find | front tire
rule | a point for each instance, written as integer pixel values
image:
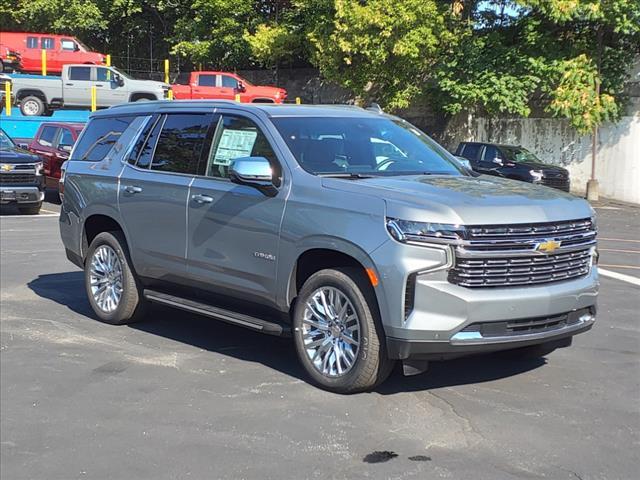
(110, 282)
(337, 332)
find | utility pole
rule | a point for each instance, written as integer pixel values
(593, 187)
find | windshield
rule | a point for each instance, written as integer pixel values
(363, 146)
(5, 142)
(519, 154)
(120, 72)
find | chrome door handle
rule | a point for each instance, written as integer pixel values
(132, 189)
(201, 198)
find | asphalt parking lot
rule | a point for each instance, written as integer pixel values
(179, 396)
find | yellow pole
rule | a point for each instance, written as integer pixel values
(44, 62)
(298, 101)
(237, 97)
(170, 95)
(7, 99)
(94, 99)
(166, 71)
(108, 63)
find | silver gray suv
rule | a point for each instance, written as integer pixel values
(347, 229)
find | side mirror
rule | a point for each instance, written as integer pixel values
(119, 80)
(498, 161)
(252, 171)
(241, 86)
(66, 148)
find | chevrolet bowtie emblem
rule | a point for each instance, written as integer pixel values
(6, 167)
(548, 246)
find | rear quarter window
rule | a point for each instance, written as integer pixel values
(99, 137)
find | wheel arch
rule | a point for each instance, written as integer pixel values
(95, 224)
(319, 255)
(31, 92)
(135, 96)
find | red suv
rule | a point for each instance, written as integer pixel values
(53, 143)
(61, 50)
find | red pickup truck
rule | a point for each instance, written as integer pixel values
(224, 86)
(53, 143)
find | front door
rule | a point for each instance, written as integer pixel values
(154, 188)
(233, 230)
(491, 160)
(108, 92)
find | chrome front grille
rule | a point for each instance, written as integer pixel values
(528, 254)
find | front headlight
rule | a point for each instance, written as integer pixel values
(536, 175)
(409, 231)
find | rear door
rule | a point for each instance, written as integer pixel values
(205, 87)
(154, 189)
(233, 231)
(77, 86)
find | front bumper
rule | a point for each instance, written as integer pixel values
(432, 324)
(463, 343)
(21, 195)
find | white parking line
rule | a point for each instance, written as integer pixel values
(619, 276)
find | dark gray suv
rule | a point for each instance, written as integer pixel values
(349, 230)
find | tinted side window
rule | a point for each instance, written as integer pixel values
(229, 82)
(491, 152)
(142, 152)
(99, 138)
(471, 151)
(79, 73)
(32, 42)
(66, 139)
(180, 143)
(207, 80)
(237, 137)
(47, 43)
(47, 136)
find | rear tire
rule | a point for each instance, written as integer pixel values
(110, 282)
(32, 106)
(344, 351)
(33, 209)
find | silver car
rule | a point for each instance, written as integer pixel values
(349, 230)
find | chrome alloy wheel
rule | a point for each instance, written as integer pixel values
(331, 332)
(106, 278)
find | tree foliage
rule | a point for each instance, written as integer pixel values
(501, 57)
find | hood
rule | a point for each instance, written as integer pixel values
(271, 91)
(17, 155)
(467, 200)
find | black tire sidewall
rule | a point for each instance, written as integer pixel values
(343, 282)
(118, 316)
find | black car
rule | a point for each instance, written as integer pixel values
(21, 177)
(515, 162)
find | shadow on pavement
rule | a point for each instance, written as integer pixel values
(274, 352)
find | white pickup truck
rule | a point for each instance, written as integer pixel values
(38, 95)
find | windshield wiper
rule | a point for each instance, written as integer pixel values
(347, 175)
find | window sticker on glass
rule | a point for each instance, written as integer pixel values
(234, 144)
